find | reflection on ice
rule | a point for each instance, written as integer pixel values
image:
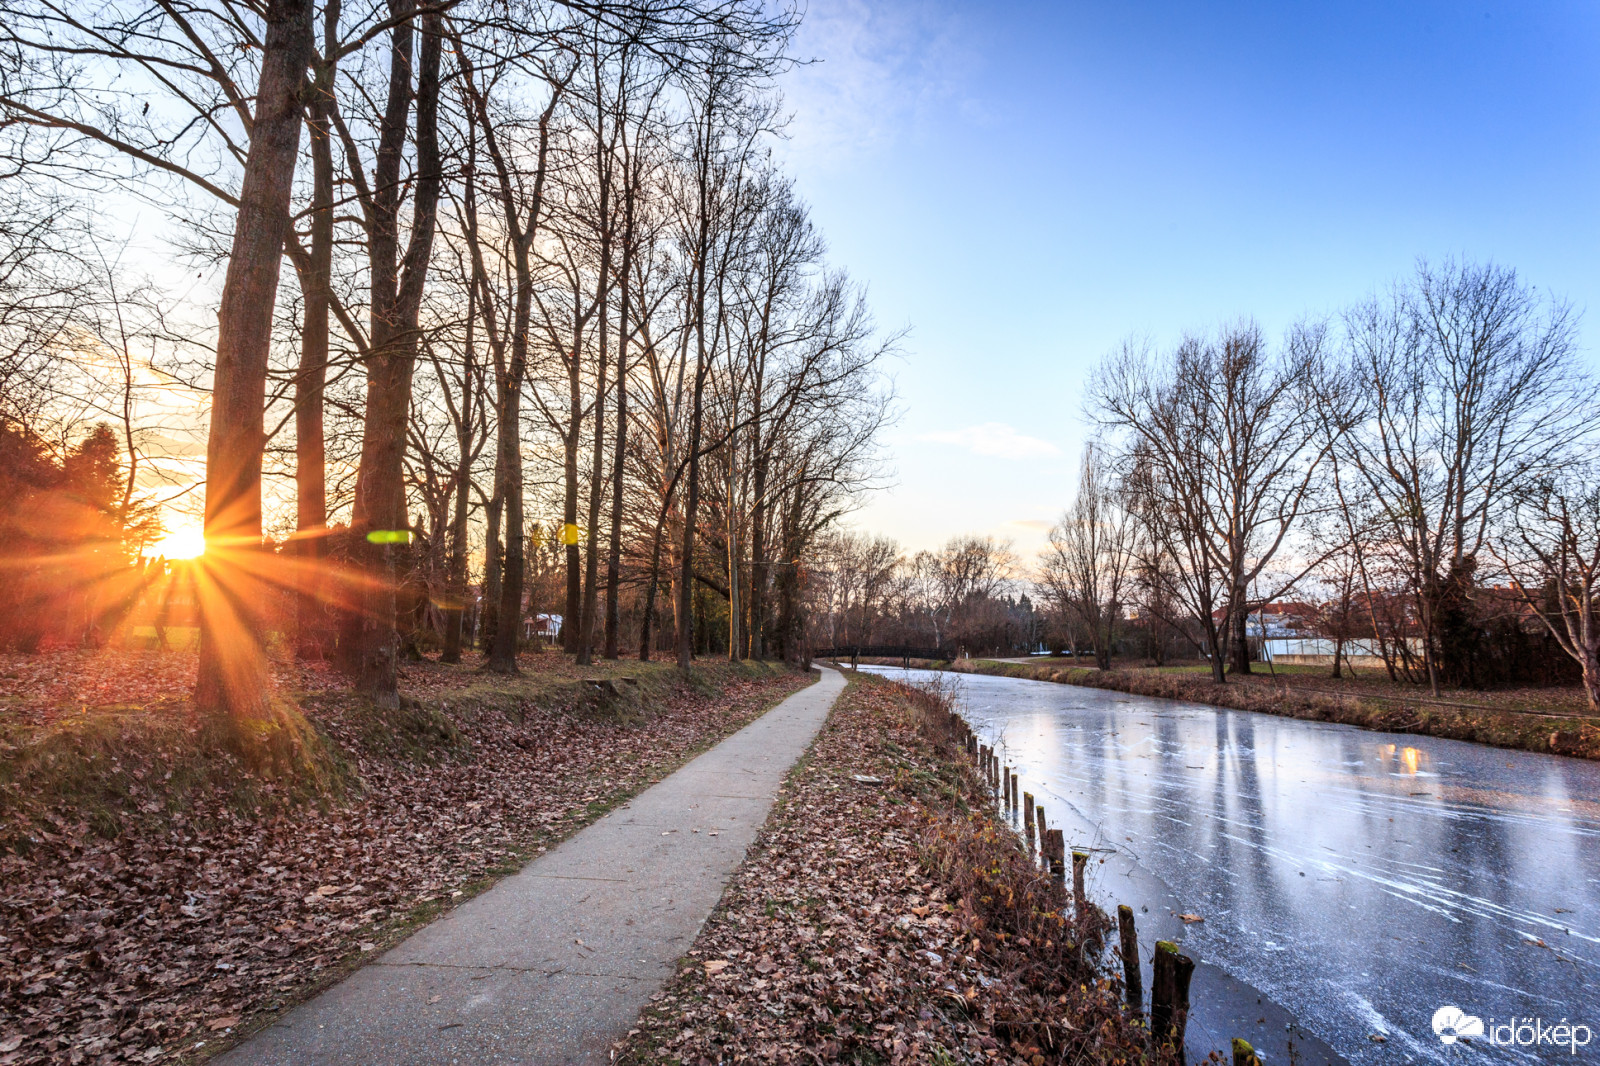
(1361, 879)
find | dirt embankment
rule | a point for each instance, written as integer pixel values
(1502, 727)
(156, 900)
(885, 916)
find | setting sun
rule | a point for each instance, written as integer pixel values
(179, 544)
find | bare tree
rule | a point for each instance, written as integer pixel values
(1552, 551)
(1470, 387)
(1229, 449)
(1088, 567)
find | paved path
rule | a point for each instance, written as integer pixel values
(556, 962)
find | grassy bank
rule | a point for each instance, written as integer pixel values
(887, 920)
(156, 901)
(1501, 726)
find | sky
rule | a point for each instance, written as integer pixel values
(1023, 186)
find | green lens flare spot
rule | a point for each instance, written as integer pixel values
(389, 536)
(569, 534)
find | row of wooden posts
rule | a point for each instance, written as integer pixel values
(1169, 997)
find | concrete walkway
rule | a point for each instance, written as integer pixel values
(555, 962)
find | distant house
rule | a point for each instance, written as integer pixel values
(545, 627)
(1288, 619)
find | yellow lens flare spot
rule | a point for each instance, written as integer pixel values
(389, 536)
(569, 534)
(179, 544)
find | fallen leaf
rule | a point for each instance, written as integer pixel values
(1191, 918)
(227, 1021)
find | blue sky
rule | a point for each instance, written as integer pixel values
(1024, 185)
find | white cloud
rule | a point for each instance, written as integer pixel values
(996, 439)
(871, 71)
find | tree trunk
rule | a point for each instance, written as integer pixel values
(1208, 625)
(456, 599)
(1239, 631)
(758, 549)
(379, 507)
(233, 678)
(569, 514)
(310, 474)
(735, 651)
(690, 506)
(508, 479)
(614, 545)
(1591, 676)
(597, 481)
(646, 628)
(493, 572)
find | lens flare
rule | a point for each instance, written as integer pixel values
(179, 544)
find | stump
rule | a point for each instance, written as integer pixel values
(1169, 995)
(1080, 901)
(1132, 979)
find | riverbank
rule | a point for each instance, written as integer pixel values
(886, 915)
(156, 900)
(1523, 730)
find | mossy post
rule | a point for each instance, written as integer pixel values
(1015, 794)
(1057, 856)
(1080, 900)
(1005, 785)
(1038, 813)
(1027, 818)
(1244, 1054)
(1132, 978)
(1169, 995)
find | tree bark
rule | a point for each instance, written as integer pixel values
(233, 678)
(455, 605)
(396, 303)
(614, 546)
(597, 479)
(493, 570)
(311, 505)
(1239, 631)
(758, 544)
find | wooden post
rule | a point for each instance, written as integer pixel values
(1038, 814)
(1132, 979)
(1058, 855)
(1169, 995)
(1080, 901)
(1005, 784)
(1027, 818)
(1015, 795)
(1244, 1054)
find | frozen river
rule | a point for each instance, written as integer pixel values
(1361, 880)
